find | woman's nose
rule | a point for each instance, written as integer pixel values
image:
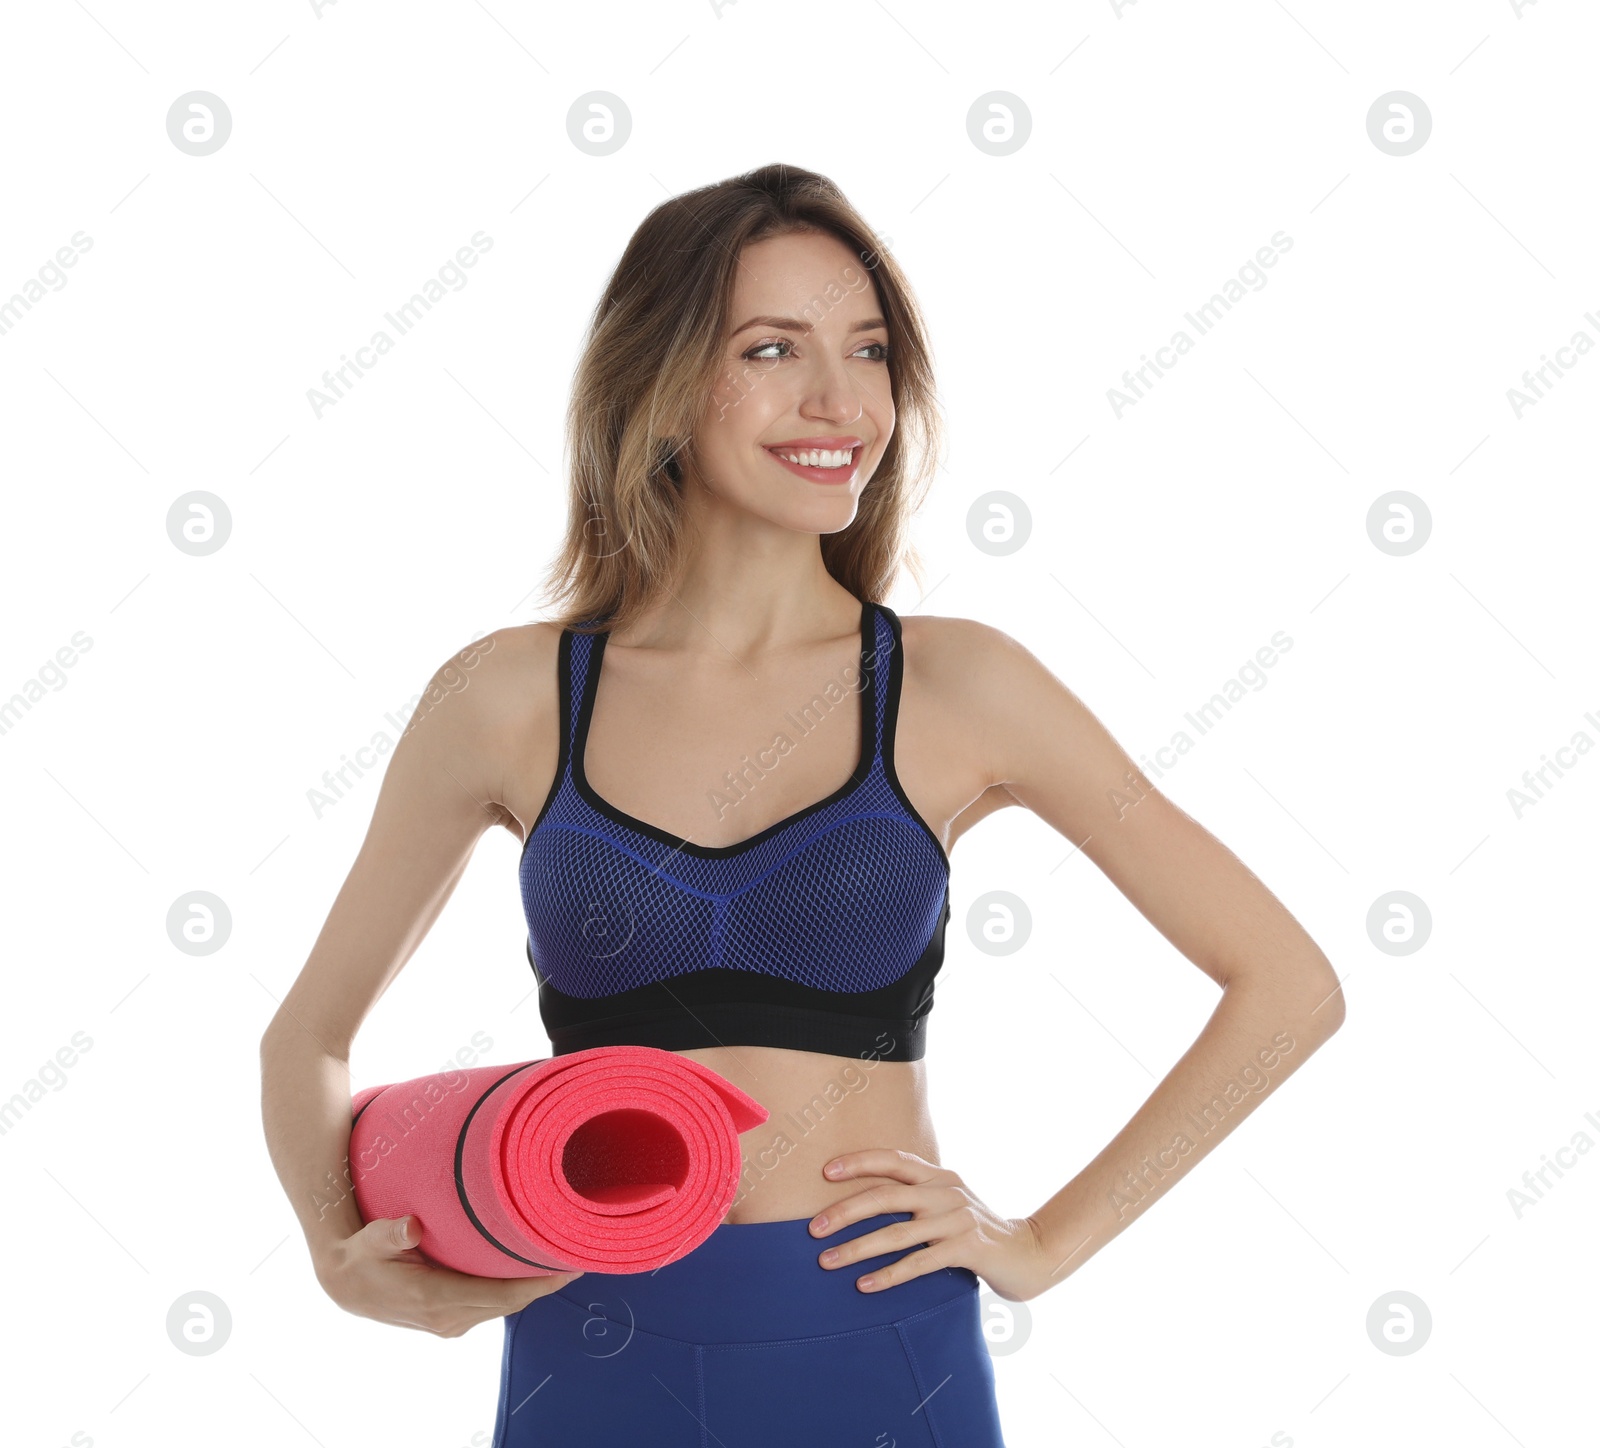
(833, 396)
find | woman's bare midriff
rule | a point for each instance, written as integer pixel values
(819, 1107)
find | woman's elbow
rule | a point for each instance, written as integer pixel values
(1323, 999)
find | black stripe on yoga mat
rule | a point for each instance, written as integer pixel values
(368, 1102)
(461, 1186)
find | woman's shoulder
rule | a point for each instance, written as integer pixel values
(949, 648)
(523, 661)
(500, 683)
(538, 639)
(503, 654)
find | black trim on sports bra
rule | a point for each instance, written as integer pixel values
(858, 775)
(566, 758)
(564, 747)
(891, 722)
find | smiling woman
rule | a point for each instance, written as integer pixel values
(726, 303)
(752, 425)
(749, 489)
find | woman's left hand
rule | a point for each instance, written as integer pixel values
(1007, 1252)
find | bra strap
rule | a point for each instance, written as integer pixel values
(575, 689)
(886, 681)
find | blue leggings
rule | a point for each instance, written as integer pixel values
(747, 1342)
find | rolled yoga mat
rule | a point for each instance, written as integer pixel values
(613, 1159)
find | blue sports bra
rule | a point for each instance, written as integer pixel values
(823, 932)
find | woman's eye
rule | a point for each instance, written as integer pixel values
(765, 351)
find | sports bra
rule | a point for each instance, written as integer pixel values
(823, 932)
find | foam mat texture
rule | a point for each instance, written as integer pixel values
(614, 1159)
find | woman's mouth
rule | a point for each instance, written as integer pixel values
(819, 464)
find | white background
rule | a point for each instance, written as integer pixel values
(1168, 143)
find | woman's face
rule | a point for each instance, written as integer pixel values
(806, 378)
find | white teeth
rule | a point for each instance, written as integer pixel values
(820, 457)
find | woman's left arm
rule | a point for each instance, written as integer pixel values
(1281, 998)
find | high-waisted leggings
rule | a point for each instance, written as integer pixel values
(748, 1342)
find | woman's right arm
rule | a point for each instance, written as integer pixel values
(489, 708)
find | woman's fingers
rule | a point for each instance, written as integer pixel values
(530, 1289)
(905, 1166)
(501, 1294)
(926, 1198)
(379, 1272)
(390, 1236)
(892, 1237)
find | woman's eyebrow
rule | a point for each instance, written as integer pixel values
(793, 324)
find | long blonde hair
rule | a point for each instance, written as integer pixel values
(653, 353)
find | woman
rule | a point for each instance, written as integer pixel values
(752, 420)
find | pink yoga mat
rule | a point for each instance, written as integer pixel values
(614, 1159)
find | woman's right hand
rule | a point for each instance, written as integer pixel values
(379, 1273)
